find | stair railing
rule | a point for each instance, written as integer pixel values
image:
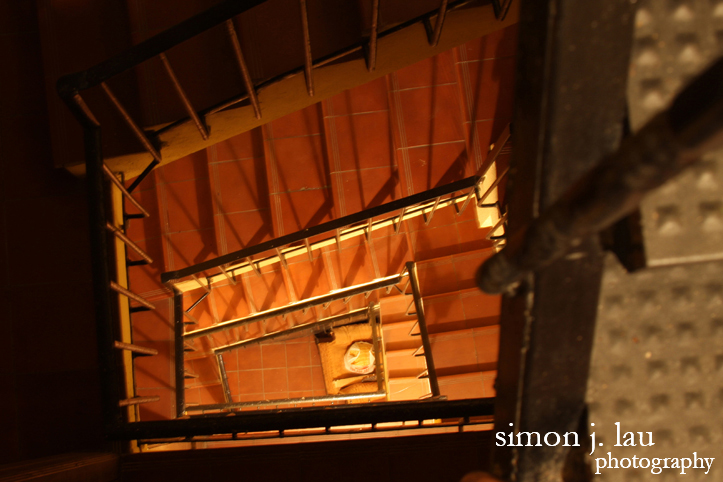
(98, 174)
(370, 313)
(70, 86)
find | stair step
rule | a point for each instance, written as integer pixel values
(450, 273)
(403, 363)
(397, 337)
(478, 384)
(393, 309)
(465, 309)
(408, 388)
(464, 351)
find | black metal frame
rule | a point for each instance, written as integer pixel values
(569, 113)
(299, 418)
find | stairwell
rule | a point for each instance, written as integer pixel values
(417, 128)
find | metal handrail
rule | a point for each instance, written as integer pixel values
(357, 221)
(333, 321)
(296, 306)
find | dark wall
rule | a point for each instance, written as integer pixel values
(49, 382)
(436, 458)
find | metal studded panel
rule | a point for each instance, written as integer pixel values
(657, 366)
(675, 40)
(657, 363)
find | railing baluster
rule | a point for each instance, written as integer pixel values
(428, 220)
(372, 61)
(84, 108)
(469, 197)
(419, 305)
(137, 401)
(397, 228)
(372, 251)
(134, 127)
(197, 302)
(207, 288)
(135, 349)
(308, 67)
(282, 259)
(224, 378)
(338, 239)
(253, 266)
(125, 239)
(249, 297)
(499, 223)
(308, 250)
(122, 189)
(491, 188)
(184, 98)
(230, 278)
(438, 24)
(119, 289)
(143, 175)
(248, 83)
(190, 317)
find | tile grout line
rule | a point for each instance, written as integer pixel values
(402, 135)
(423, 87)
(467, 82)
(216, 185)
(160, 185)
(350, 114)
(275, 183)
(338, 178)
(433, 144)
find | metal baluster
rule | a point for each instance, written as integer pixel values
(184, 98)
(438, 25)
(372, 60)
(127, 241)
(244, 68)
(428, 220)
(308, 67)
(134, 127)
(122, 189)
(119, 289)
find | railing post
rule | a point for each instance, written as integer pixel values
(248, 83)
(433, 383)
(308, 67)
(184, 97)
(178, 327)
(372, 59)
(109, 359)
(438, 24)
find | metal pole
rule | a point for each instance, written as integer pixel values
(308, 67)
(248, 83)
(184, 98)
(434, 385)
